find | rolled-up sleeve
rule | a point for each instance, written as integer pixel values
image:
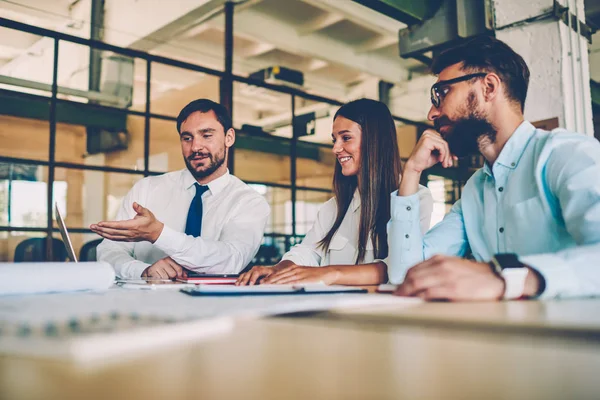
(238, 243)
(121, 254)
(310, 253)
(571, 174)
(405, 232)
(408, 242)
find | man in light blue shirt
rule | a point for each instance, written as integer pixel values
(530, 217)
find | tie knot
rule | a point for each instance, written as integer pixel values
(200, 189)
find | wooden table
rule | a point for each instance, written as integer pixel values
(573, 318)
(318, 357)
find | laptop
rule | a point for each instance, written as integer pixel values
(64, 234)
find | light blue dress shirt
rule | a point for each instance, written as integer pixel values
(540, 200)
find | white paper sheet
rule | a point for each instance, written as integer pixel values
(39, 309)
(48, 277)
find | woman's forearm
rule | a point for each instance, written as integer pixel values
(362, 274)
(282, 264)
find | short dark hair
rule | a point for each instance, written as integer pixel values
(488, 54)
(204, 106)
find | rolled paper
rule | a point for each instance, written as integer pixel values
(49, 277)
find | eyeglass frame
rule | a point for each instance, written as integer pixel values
(436, 97)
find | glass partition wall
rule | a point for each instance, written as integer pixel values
(79, 138)
(84, 149)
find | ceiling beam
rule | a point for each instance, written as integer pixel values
(18, 40)
(376, 43)
(34, 62)
(195, 31)
(255, 50)
(275, 121)
(360, 15)
(325, 20)
(167, 20)
(409, 12)
(175, 26)
(315, 65)
(23, 65)
(212, 56)
(45, 14)
(253, 24)
(10, 52)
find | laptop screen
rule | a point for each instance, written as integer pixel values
(65, 234)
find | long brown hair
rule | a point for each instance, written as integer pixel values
(379, 175)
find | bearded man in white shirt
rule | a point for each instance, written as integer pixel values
(200, 218)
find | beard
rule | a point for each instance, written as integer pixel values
(215, 162)
(466, 135)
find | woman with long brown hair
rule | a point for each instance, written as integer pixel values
(348, 241)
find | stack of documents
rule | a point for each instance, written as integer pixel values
(48, 277)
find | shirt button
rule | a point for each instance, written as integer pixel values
(407, 236)
(500, 189)
(501, 230)
(408, 208)
(512, 164)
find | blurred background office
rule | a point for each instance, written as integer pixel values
(89, 92)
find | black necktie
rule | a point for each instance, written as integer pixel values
(193, 225)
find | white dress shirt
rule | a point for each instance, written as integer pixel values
(343, 248)
(233, 223)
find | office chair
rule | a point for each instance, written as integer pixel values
(88, 250)
(266, 255)
(34, 249)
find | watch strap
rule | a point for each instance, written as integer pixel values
(514, 282)
(512, 271)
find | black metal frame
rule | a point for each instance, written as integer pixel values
(293, 163)
(226, 84)
(226, 96)
(51, 153)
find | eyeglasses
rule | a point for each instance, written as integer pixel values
(437, 95)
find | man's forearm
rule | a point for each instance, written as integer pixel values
(119, 256)
(228, 255)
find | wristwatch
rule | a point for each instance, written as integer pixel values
(514, 272)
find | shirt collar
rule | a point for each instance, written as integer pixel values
(355, 203)
(514, 148)
(215, 186)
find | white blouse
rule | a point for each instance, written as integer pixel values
(343, 248)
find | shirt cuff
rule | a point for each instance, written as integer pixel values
(289, 257)
(167, 240)
(404, 208)
(558, 275)
(298, 259)
(383, 260)
(132, 270)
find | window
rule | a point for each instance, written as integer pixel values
(23, 203)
